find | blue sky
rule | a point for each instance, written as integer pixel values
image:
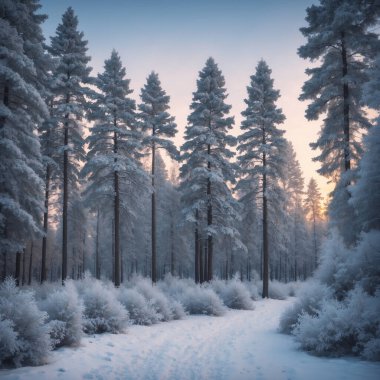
(174, 38)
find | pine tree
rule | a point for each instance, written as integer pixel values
(262, 149)
(313, 207)
(338, 35)
(158, 126)
(114, 145)
(71, 73)
(206, 167)
(22, 110)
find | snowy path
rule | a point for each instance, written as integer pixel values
(240, 345)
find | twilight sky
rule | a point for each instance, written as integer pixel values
(175, 37)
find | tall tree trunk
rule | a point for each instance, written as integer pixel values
(172, 253)
(23, 266)
(65, 194)
(346, 107)
(83, 252)
(97, 261)
(315, 241)
(46, 218)
(209, 221)
(18, 268)
(2, 125)
(265, 230)
(116, 214)
(30, 264)
(196, 249)
(201, 262)
(154, 253)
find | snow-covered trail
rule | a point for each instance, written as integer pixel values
(240, 345)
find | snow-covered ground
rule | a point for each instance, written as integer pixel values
(239, 345)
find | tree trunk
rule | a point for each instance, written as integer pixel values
(196, 249)
(154, 253)
(201, 263)
(265, 231)
(46, 218)
(18, 268)
(2, 125)
(346, 108)
(97, 261)
(23, 266)
(172, 254)
(116, 214)
(209, 221)
(65, 195)
(30, 264)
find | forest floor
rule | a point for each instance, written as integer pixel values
(240, 345)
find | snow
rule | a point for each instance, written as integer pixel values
(240, 345)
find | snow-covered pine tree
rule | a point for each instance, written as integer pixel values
(158, 127)
(313, 208)
(71, 73)
(22, 110)
(338, 36)
(293, 232)
(206, 169)
(114, 148)
(262, 150)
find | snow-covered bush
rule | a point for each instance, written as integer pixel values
(64, 311)
(155, 297)
(253, 290)
(365, 263)
(309, 302)
(102, 311)
(334, 269)
(202, 300)
(338, 328)
(293, 288)
(233, 294)
(339, 313)
(24, 338)
(141, 311)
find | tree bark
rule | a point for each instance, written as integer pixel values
(172, 253)
(46, 218)
(23, 266)
(154, 253)
(97, 261)
(265, 229)
(18, 268)
(65, 194)
(30, 264)
(209, 221)
(196, 249)
(346, 108)
(117, 215)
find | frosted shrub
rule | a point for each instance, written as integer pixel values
(309, 302)
(338, 328)
(102, 311)
(64, 311)
(155, 297)
(334, 269)
(253, 290)
(24, 338)
(173, 287)
(141, 312)
(202, 300)
(366, 261)
(233, 294)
